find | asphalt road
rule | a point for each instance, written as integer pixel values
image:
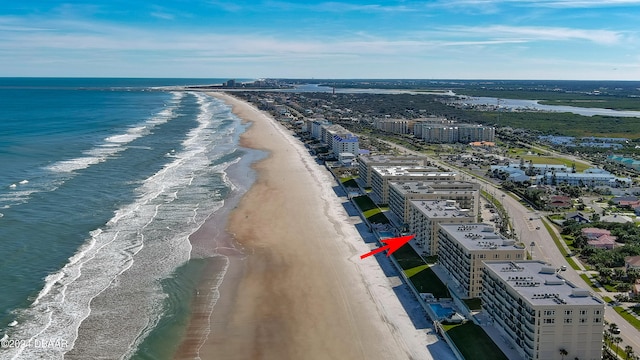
(527, 225)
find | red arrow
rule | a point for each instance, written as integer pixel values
(392, 244)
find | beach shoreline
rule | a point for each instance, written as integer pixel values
(300, 290)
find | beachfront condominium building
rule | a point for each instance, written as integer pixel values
(345, 143)
(337, 138)
(463, 249)
(315, 127)
(426, 216)
(382, 175)
(367, 162)
(540, 313)
(466, 194)
(328, 131)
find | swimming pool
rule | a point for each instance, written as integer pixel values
(386, 234)
(442, 312)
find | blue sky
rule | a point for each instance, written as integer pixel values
(437, 39)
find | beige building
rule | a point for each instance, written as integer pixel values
(381, 176)
(539, 312)
(463, 249)
(425, 216)
(367, 162)
(453, 133)
(465, 194)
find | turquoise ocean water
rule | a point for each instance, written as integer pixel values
(101, 183)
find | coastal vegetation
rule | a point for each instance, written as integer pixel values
(473, 342)
(610, 101)
(564, 124)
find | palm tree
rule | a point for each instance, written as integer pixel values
(617, 340)
(628, 351)
(563, 353)
(612, 326)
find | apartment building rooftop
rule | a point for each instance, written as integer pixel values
(478, 236)
(540, 283)
(433, 185)
(408, 159)
(441, 209)
(426, 172)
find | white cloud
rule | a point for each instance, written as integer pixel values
(163, 15)
(337, 7)
(495, 4)
(532, 33)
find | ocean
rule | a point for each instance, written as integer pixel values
(102, 181)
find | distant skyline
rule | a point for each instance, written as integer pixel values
(437, 39)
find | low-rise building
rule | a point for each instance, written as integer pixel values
(539, 312)
(463, 248)
(591, 177)
(599, 238)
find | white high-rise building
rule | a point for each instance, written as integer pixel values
(366, 162)
(425, 216)
(539, 312)
(382, 175)
(465, 194)
(463, 249)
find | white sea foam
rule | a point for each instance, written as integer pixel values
(115, 144)
(123, 261)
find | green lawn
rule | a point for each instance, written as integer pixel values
(426, 281)
(370, 210)
(365, 203)
(379, 218)
(473, 303)
(589, 282)
(407, 257)
(415, 270)
(473, 342)
(422, 277)
(631, 319)
(580, 167)
(370, 213)
(349, 182)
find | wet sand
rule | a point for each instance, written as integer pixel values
(300, 291)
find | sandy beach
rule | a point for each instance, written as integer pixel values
(301, 291)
